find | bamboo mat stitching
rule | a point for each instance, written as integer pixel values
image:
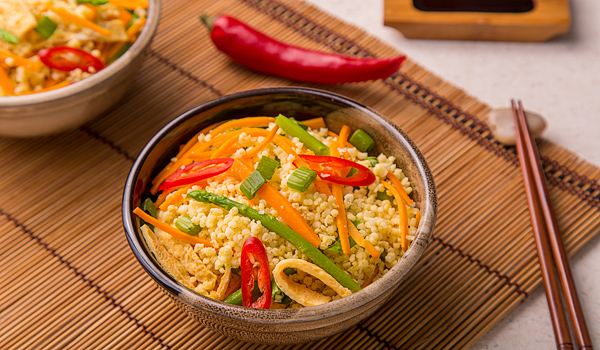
(183, 72)
(107, 142)
(478, 262)
(82, 276)
(375, 336)
(445, 110)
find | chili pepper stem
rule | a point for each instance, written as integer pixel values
(208, 21)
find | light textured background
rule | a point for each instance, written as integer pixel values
(558, 79)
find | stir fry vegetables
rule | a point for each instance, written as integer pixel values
(49, 44)
(255, 218)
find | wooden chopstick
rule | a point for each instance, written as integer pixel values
(550, 248)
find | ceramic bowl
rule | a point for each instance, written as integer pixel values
(295, 325)
(69, 107)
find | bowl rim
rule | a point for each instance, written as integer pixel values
(122, 63)
(285, 316)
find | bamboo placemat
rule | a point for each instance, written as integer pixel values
(70, 281)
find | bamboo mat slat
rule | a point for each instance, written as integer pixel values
(70, 281)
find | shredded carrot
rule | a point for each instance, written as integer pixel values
(232, 139)
(19, 61)
(48, 83)
(336, 190)
(114, 49)
(92, 15)
(332, 134)
(193, 240)
(124, 16)
(200, 156)
(104, 48)
(210, 127)
(359, 239)
(5, 83)
(316, 123)
(369, 280)
(341, 220)
(403, 215)
(64, 14)
(243, 122)
(256, 150)
(130, 4)
(322, 187)
(135, 28)
(53, 87)
(174, 198)
(234, 284)
(276, 200)
(418, 218)
(343, 138)
(399, 188)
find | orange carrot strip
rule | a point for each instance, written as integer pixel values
(403, 215)
(232, 139)
(64, 14)
(336, 190)
(343, 138)
(332, 134)
(19, 61)
(341, 220)
(316, 123)
(49, 83)
(322, 187)
(92, 15)
(135, 28)
(244, 122)
(210, 127)
(5, 83)
(124, 16)
(174, 198)
(418, 218)
(130, 4)
(53, 87)
(113, 49)
(399, 187)
(359, 239)
(370, 279)
(197, 157)
(256, 150)
(276, 200)
(193, 240)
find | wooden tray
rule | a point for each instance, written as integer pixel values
(69, 280)
(547, 19)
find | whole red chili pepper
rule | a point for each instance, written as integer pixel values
(253, 49)
(255, 268)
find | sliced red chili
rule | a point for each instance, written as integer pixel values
(67, 59)
(332, 169)
(255, 268)
(196, 172)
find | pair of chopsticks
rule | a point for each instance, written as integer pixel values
(550, 248)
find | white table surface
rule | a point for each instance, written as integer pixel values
(559, 79)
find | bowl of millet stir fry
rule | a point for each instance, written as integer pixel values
(75, 54)
(279, 215)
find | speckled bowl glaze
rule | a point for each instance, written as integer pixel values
(67, 108)
(296, 325)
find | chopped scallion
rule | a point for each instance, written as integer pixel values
(186, 225)
(46, 27)
(356, 222)
(275, 291)
(362, 141)
(373, 161)
(252, 184)
(266, 167)
(301, 179)
(294, 130)
(289, 271)
(8, 37)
